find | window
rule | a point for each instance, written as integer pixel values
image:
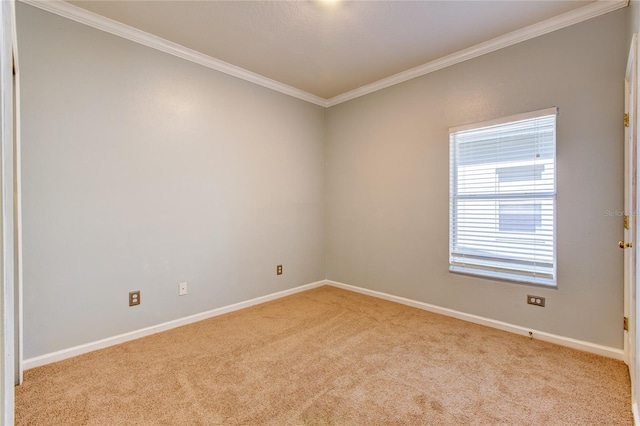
(502, 198)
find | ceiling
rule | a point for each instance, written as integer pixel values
(329, 48)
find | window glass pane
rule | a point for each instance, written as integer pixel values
(519, 216)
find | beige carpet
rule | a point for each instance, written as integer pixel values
(329, 357)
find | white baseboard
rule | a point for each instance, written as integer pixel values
(636, 417)
(540, 335)
(121, 338)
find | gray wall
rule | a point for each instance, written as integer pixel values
(142, 170)
(387, 180)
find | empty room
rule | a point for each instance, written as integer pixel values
(319, 212)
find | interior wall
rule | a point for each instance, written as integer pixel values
(387, 165)
(140, 171)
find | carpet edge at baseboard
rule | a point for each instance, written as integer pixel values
(136, 334)
(536, 334)
(62, 354)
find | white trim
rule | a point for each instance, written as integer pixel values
(540, 335)
(503, 120)
(67, 10)
(636, 415)
(94, 20)
(121, 338)
(18, 209)
(7, 284)
(576, 16)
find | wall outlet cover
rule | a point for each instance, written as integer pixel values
(535, 300)
(134, 298)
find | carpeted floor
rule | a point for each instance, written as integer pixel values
(329, 357)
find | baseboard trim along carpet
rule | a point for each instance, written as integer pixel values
(121, 338)
(540, 335)
(329, 356)
(132, 335)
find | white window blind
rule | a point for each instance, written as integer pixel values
(502, 199)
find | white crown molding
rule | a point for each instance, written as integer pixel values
(67, 10)
(584, 13)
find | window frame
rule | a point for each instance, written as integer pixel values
(514, 271)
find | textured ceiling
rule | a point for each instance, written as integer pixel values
(328, 48)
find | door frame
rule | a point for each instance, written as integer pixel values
(7, 251)
(17, 216)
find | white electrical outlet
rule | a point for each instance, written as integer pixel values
(182, 289)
